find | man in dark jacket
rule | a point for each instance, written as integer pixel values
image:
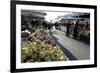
(67, 28)
(76, 29)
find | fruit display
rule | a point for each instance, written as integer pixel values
(41, 48)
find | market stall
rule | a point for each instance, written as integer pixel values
(41, 47)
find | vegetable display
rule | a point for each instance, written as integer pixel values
(41, 48)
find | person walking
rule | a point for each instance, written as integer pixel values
(49, 26)
(67, 28)
(76, 29)
(44, 24)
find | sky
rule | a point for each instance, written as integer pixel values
(53, 15)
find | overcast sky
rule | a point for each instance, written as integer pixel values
(53, 15)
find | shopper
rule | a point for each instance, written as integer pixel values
(67, 28)
(49, 26)
(76, 25)
(87, 26)
(56, 25)
(44, 24)
(71, 30)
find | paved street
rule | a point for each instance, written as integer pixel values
(79, 49)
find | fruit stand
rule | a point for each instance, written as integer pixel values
(40, 47)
